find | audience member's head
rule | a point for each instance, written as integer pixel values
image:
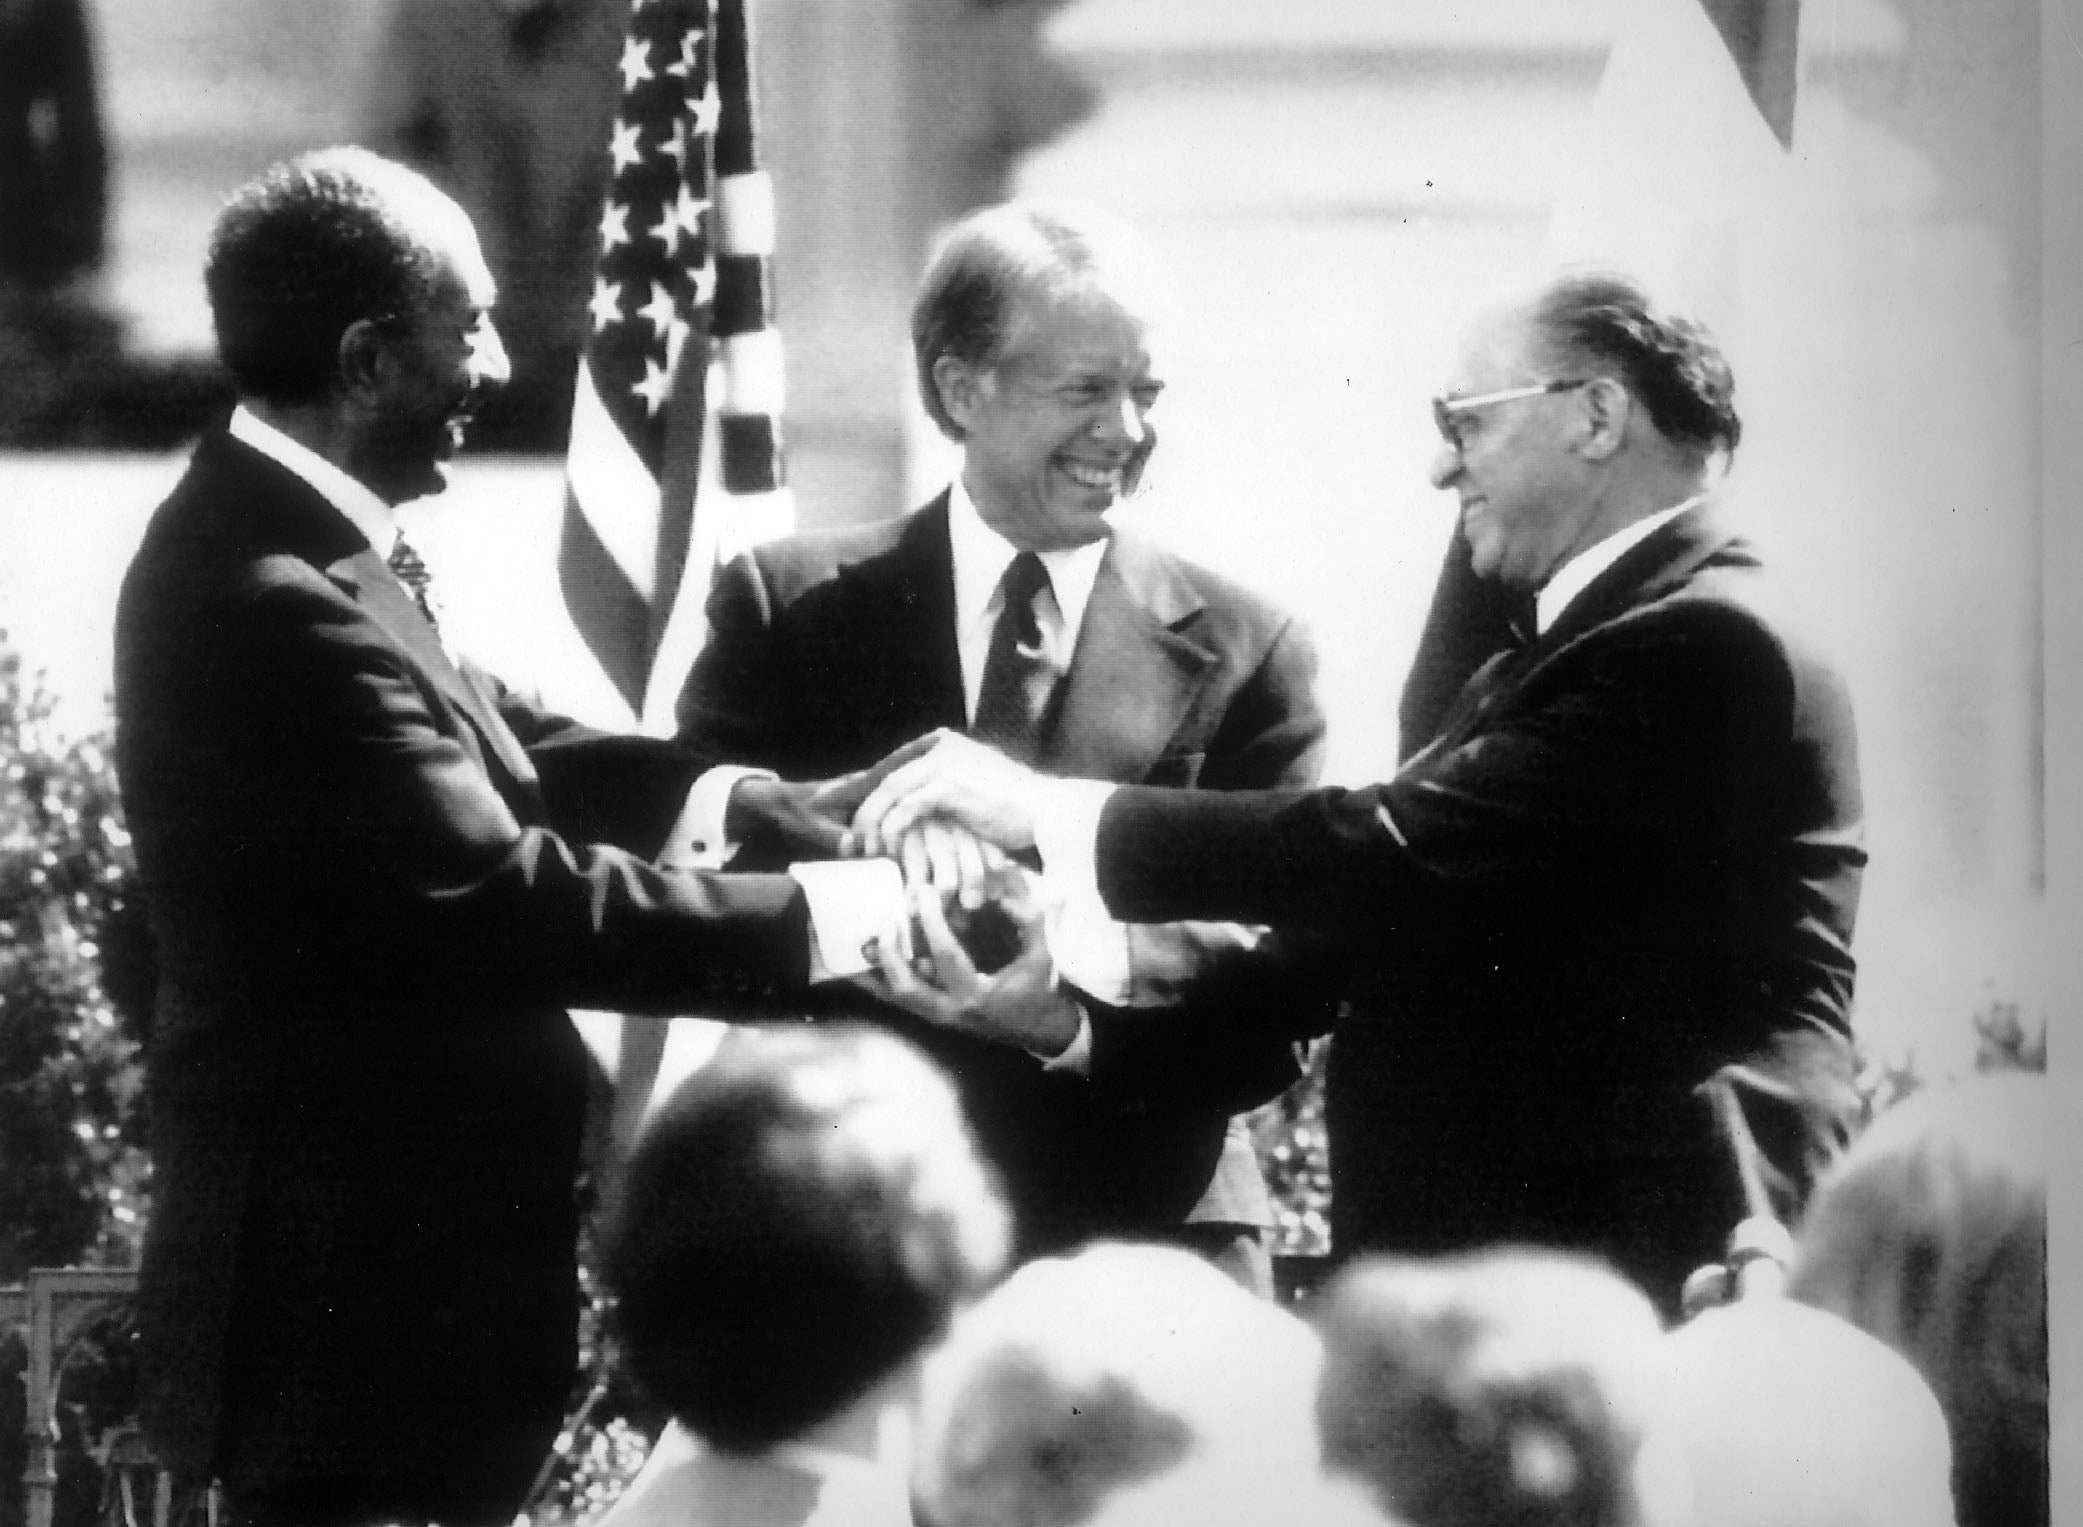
(1506, 1389)
(1084, 1376)
(1931, 1235)
(1779, 1415)
(801, 1219)
(1234, 1492)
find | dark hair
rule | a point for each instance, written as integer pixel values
(1507, 1389)
(803, 1215)
(985, 263)
(307, 249)
(1672, 364)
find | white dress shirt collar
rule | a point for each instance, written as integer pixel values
(1576, 575)
(981, 556)
(375, 519)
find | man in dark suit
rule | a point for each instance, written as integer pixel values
(1626, 868)
(1116, 660)
(377, 878)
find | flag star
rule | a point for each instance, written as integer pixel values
(666, 230)
(656, 384)
(706, 110)
(661, 311)
(703, 275)
(675, 147)
(627, 147)
(636, 64)
(606, 306)
(614, 226)
(684, 65)
(688, 210)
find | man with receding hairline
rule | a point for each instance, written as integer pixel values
(378, 878)
(1109, 1097)
(1629, 862)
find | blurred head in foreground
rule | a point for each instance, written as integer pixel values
(1931, 1235)
(801, 1219)
(1083, 1376)
(1783, 1416)
(1506, 1389)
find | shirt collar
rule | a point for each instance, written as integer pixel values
(1576, 575)
(982, 555)
(375, 519)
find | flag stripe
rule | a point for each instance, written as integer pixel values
(744, 294)
(610, 614)
(751, 447)
(736, 151)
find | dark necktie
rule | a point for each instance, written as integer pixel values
(1017, 679)
(412, 572)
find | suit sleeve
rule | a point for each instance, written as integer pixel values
(1649, 732)
(361, 788)
(737, 706)
(601, 787)
(1246, 995)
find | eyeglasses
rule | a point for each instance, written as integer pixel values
(1446, 411)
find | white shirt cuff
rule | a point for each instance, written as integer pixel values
(852, 903)
(1076, 1059)
(1066, 829)
(697, 841)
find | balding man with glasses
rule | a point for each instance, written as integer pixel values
(1627, 866)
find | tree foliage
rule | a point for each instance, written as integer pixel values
(73, 1171)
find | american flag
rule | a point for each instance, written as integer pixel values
(684, 278)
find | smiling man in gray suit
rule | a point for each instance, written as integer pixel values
(1011, 606)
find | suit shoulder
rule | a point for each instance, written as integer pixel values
(794, 564)
(1242, 614)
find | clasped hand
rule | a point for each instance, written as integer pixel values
(955, 971)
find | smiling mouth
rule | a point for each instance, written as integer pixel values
(1093, 478)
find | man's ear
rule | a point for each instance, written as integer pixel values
(961, 389)
(364, 356)
(1607, 406)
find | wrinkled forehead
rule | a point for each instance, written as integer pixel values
(1088, 322)
(1498, 349)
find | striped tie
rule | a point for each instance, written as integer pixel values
(412, 572)
(1017, 680)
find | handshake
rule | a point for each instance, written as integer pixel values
(950, 811)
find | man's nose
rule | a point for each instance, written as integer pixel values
(1446, 466)
(1123, 418)
(489, 365)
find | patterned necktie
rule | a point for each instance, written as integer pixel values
(1017, 678)
(412, 572)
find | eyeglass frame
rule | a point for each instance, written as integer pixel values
(1444, 409)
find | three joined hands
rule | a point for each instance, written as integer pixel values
(971, 952)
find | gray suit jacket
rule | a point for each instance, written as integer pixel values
(828, 650)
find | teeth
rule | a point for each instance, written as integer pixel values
(1092, 477)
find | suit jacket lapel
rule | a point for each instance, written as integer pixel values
(906, 663)
(365, 576)
(1664, 559)
(1135, 671)
(262, 505)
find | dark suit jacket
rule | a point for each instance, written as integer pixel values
(1632, 855)
(828, 650)
(366, 1095)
